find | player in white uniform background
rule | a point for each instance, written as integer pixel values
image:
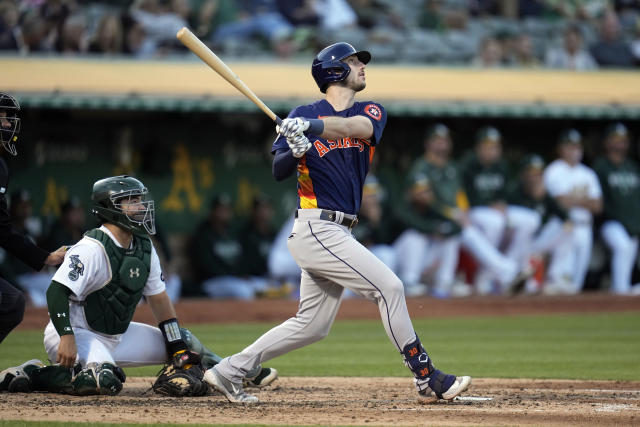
(576, 188)
(92, 298)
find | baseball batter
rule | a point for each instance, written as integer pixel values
(620, 179)
(92, 299)
(576, 188)
(330, 143)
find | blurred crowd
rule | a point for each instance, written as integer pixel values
(566, 34)
(478, 224)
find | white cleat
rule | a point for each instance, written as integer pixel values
(233, 391)
(426, 395)
(460, 385)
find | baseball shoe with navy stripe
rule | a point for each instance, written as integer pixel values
(441, 386)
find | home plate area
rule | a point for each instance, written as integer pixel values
(350, 401)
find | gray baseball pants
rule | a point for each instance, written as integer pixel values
(331, 259)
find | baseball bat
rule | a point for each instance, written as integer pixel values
(211, 59)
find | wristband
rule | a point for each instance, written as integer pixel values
(172, 337)
(316, 127)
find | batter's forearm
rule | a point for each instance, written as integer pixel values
(347, 127)
(284, 164)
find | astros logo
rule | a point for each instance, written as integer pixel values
(373, 111)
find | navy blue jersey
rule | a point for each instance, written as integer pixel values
(331, 174)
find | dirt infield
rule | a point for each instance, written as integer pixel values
(351, 401)
(220, 311)
(358, 401)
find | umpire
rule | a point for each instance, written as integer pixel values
(12, 301)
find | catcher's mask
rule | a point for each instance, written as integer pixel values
(9, 122)
(122, 200)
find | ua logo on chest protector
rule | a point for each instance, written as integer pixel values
(135, 272)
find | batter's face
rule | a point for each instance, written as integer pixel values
(356, 78)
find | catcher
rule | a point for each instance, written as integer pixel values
(91, 301)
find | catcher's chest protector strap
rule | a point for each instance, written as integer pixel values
(110, 309)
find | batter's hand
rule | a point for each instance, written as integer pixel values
(291, 127)
(67, 351)
(299, 145)
(56, 258)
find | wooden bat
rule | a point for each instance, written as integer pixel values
(211, 59)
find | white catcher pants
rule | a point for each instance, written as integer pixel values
(331, 260)
(140, 345)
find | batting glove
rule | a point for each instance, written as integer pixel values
(299, 145)
(291, 127)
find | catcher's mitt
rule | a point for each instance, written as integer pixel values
(180, 382)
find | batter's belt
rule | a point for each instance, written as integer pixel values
(338, 217)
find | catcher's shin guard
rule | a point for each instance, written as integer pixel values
(209, 358)
(98, 379)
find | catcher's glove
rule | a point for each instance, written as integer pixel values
(180, 382)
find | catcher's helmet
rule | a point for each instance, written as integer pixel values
(328, 67)
(108, 195)
(9, 122)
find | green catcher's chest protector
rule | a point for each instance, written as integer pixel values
(109, 310)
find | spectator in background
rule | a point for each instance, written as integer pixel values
(216, 254)
(522, 54)
(109, 36)
(577, 190)
(38, 34)
(160, 24)
(611, 50)
(577, 10)
(10, 33)
(299, 12)
(136, 42)
(619, 177)
(490, 54)
(431, 16)
(571, 56)
(207, 15)
(257, 18)
(74, 35)
(335, 14)
(69, 228)
(485, 175)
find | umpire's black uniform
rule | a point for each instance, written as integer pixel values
(11, 299)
